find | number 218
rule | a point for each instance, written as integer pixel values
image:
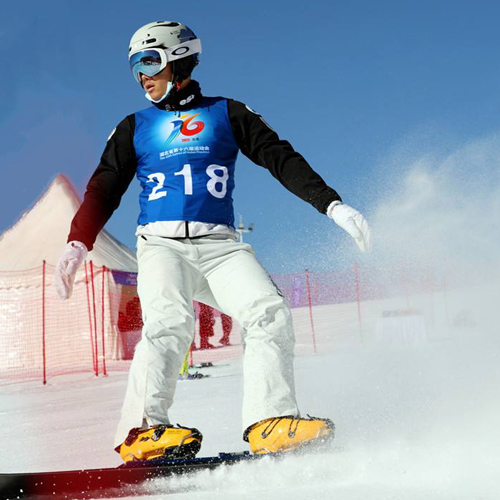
(159, 191)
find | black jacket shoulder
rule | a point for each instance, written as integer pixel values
(261, 144)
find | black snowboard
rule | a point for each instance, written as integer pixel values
(102, 483)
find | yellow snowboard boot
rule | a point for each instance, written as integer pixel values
(165, 441)
(282, 434)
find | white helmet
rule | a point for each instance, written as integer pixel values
(177, 43)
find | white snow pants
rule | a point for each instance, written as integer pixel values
(224, 274)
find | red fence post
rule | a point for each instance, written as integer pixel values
(44, 354)
(310, 310)
(102, 314)
(95, 319)
(94, 361)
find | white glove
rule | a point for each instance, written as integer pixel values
(72, 258)
(350, 220)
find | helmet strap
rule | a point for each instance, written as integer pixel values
(182, 68)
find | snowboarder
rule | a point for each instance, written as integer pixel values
(183, 150)
(227, 327)
(207, 322)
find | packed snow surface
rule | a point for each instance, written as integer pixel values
(414, 421)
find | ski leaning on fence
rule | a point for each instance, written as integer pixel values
(102, 483)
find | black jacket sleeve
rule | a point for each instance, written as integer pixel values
(107, 185)
(261, 144)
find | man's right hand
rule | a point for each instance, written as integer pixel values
(72, 258)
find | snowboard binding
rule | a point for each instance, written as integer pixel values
(285, 434)
(160, 441)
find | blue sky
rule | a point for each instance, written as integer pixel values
(345, 82)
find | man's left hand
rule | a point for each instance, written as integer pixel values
(350, 220)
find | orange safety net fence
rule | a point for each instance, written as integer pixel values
(97, 329)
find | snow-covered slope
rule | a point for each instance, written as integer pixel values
(414, 420)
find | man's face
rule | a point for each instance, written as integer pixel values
(156, 85)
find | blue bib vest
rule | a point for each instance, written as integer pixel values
(185, 163)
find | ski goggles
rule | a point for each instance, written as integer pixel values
(151, 61)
